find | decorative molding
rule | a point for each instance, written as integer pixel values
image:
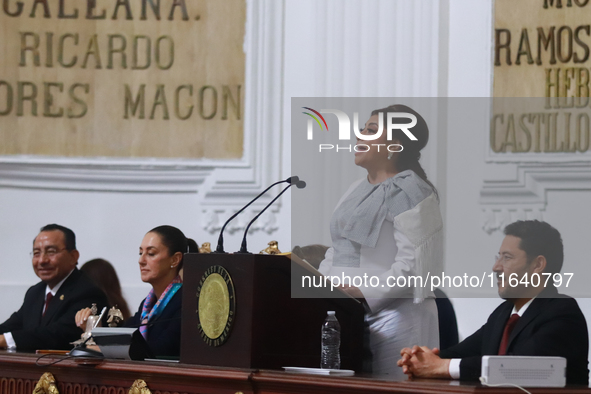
(16, 386)
(533, 157)
(525, 196)
(495, 219)
(93, 176)
(214, 219)
(26, 386)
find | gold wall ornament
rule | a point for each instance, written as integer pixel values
(139, 387)
(46, 385)
(273, 248)
(205, 248)
(216, 305)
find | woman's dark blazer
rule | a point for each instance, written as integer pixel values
(164, 332)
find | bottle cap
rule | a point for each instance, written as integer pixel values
(331, 313)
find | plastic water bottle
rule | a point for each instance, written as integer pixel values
(330, 357)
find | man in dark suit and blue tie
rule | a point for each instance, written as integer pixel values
(46, 318)
(533, 321)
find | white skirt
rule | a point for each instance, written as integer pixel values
(402, 324)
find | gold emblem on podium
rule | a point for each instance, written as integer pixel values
(215, 305)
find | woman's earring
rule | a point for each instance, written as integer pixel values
(172, 266)
(390, 155)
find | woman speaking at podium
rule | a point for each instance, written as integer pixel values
(388, 225)
(159, 314)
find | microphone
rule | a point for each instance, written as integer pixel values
(294, 181)
(82, 351)
(220, 247)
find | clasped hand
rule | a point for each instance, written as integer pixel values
(422, 362)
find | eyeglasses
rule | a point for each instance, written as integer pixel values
(505, 258)
(49, 252)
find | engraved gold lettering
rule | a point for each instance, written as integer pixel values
(48, 99)
(493, 131)
(125, 3)
(235, 102)
(19, 8)
(120, 49)
(505, 45)
(90, 6)
(548, 135)
(9, 97)
(34, 48)
(551, 3)
(567, 146)
(182, 5)
(545, 41)
(554, 134)
(552, 84)
(93, 49)
(582, 44)
(213, 105)
(560, 42)
(132, 105)
(148, 52)
(582, 87)
(62, 13)
(527, 133)
(22, 97)
(524, 48)
(160, 100)
(157, 52)
(563, 102)
(84, 107)
(45, 8)
(537, 119)
(60, 50)
(582, 133)
(509, 135)
(48, 49)
(155, 9)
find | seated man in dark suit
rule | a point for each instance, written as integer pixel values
(534, 321)
(46, 318)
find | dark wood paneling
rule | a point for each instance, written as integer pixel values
(271, 329)
(19, 374)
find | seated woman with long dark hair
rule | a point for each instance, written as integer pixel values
(103, 275)
(159, 314)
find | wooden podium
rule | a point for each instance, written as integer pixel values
(270, 329)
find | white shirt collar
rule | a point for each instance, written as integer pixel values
(522, 309)
(57, 287)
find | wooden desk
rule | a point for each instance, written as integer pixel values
(18, 375)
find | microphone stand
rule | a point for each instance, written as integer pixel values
(220, 247)
(297, 182)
